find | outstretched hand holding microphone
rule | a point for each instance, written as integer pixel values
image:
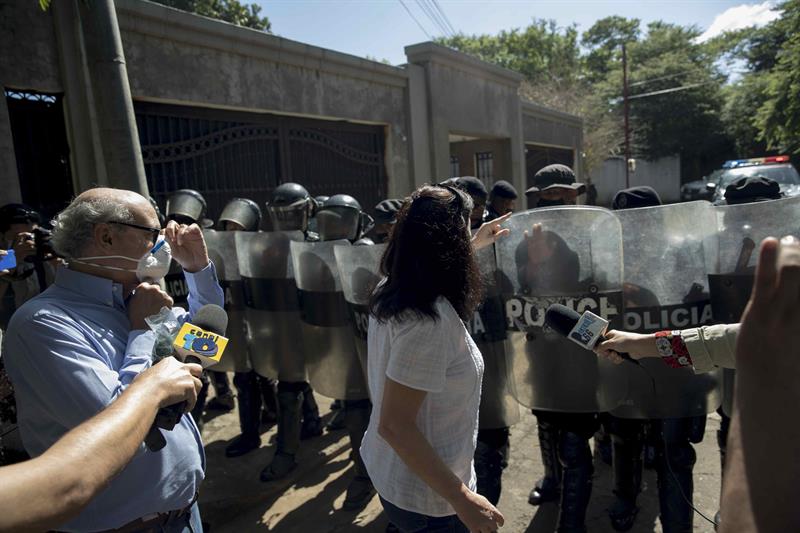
(587, 330)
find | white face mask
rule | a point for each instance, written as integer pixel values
(152, 266)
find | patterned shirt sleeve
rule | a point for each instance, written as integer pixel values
(672, 349)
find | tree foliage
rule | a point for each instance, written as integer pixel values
(584, 77)
(548, 50)
(232, 11)
(778, 117)
(682, 100)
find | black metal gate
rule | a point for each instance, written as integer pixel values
(41, 149)
(225, 154)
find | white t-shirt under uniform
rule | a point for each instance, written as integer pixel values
(438, 357)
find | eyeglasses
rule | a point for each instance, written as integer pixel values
(154, 232)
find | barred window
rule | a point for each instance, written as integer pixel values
(455, 168)
(484, 166)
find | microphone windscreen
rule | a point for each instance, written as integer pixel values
(561, 319)
(211, 317)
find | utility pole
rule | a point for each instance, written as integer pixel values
(625, 107)
(108, 73)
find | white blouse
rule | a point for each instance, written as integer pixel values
(440, 358)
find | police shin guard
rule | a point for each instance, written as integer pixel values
(547, 488)
(336, 422)
(290, 400)
(312, 423)
(491, 457)
(576, 485)
(223, 400)
(270, 400)
(628, 465)
(360, 489)
(249, 398)
(675, 486)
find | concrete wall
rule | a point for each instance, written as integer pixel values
(184, 59)
(663, 175)
(548, 127)
(468, 97)
(501, 162)
(180, 58)
(29, 60)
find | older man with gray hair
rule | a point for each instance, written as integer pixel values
(74, 348)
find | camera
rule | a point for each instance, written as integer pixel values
(42, 240)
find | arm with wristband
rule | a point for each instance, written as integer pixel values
(702, 349)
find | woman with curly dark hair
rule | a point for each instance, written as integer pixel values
(424, 369)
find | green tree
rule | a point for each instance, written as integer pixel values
(604, 41)
(680, 104)
(586, 79)
(541, 49)
(232, 11)
(778, 117)
(741, 101)
(674, 88)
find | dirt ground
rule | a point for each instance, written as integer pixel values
(234, 500)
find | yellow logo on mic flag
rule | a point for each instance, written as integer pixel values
(205, 345)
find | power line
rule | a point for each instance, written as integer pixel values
(444, 16)
(432, 16)
(643, 82)
(410, 14)
(672, 90)
(698, 69)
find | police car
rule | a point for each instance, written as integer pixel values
(775, 167)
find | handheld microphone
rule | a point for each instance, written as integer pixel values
(202, 343)
(585, 330)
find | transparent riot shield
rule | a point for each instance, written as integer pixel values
(731, 265)
(358, 270)
(665, 287)
(573, 257)
(222, 252)
(272, 309)
(327, 336)
(498, 407)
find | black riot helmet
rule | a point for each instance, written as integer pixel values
(186, 206)
(243, 212)
(290, 207)
(340, 217)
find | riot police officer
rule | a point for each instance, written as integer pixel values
(340, 218)
(290, 209)
(477, 191)
(384, 215)
(496, 416)
(674, 422)
(187, 206)
(502, 200)
(731, 288)
(253, 391)
(563, 437)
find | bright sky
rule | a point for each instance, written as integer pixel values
(382, 28)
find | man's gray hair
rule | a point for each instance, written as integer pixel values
(74, 226)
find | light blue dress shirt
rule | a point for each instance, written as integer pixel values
(69, 352)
